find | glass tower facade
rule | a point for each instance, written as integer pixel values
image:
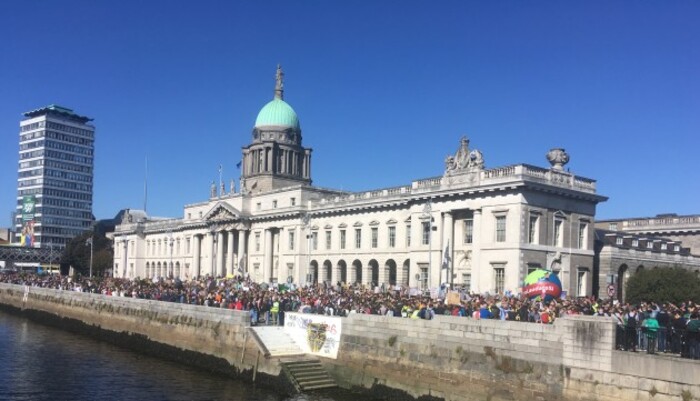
(55, 177)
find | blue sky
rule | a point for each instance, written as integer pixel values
(384, 90)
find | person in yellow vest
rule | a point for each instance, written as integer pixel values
(275, 311)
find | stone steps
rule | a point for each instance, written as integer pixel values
(274, 342)
(308, 374)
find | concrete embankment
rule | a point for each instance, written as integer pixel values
(469, 360)
(208, 338)
(446, 358)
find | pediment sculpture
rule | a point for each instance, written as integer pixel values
(464, 159)
(222, 212)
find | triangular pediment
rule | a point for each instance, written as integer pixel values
(222, 212)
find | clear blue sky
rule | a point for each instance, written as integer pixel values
(384, 90)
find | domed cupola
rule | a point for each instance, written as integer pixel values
(276, 157)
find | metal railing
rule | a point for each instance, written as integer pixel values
(665, 340)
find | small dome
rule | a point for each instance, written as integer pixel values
(277, 113)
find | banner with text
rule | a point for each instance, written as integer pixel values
(315, 334)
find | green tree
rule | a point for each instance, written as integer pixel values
(674, 285)
(77, 253)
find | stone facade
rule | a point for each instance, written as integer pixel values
(620, 254)
(487, 226)
(683, 229)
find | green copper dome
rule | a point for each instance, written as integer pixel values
(277, 113)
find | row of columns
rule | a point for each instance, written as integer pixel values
(219, 263)
(283, 161)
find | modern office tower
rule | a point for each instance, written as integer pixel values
(54, 185)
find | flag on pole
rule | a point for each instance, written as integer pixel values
(238, 165)
(446, 256)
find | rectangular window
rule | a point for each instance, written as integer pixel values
(531, 267)
(291, 240)
(375, 237)
(423, 276)
(358, 238)
(467, 281)
(664, 246)
(426, 232)
(342, 239)
(257, 242)
(582, 233)
(328, 239)
(188, 245)
(314, 240)
(500, 228)
(612, 227)
(618, 241)
(650, 245)
(177, 248)
(532, 233)
(131, 248)
(392, 237)
(258, 206)
(558, 238)
(676, 248)
(293, 201)
(582, 278)
(635, 242)
(408, 235)
(274, 204)
(468, 231)
(499, 279)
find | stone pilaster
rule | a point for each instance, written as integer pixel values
(196, 258)
(220, 254)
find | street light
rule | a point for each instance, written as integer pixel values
(427, 212)
(305, 220)
(170, 243)
(89, 241)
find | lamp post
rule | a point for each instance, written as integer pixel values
(51, 256)
(170, 244)
(306, 219)
(89, 241)
(427, 212)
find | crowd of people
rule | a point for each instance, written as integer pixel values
(648, 326)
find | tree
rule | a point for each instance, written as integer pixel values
(77, 253)
(675, 285)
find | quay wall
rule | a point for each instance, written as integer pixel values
(446, 358)
(462, 359)
(209, 338)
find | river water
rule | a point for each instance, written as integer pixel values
(38, 362)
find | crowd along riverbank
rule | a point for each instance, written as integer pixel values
(447, 358)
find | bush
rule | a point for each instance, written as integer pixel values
(675, 285)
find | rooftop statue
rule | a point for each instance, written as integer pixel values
(464, 159)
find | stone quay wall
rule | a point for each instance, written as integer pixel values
(462, 359)
(447, 358)
(209, 338)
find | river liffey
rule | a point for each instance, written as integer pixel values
(38, 362)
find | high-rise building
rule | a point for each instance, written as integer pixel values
(54, 185)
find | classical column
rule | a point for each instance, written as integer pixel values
(267, 256)
(477, 284)
(240, 250)
(220, 254)
(384, 275)
(196, 262)
(447, 229)
(231, 264)
(125, 246)
(211, 238)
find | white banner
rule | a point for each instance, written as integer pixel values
(315, 334)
